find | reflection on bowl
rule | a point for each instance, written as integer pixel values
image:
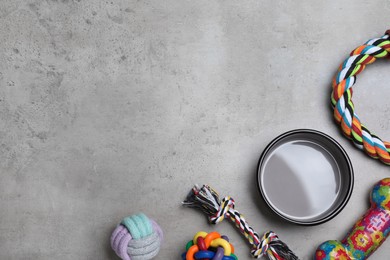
(305, 177)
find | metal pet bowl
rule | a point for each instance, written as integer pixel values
(305, 177)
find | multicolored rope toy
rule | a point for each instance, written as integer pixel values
(137, 238)
(209, 246)
(344, 111)
(207, 200)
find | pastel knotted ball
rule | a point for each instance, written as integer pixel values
(137, 238)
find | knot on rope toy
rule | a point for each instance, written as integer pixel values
(269, 245)
(209, 246)
(227, 203)
(207, 200)
(263, 246)
(137, 238)
(343, 107)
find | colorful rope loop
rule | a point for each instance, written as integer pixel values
(344, 110)
(209, 246)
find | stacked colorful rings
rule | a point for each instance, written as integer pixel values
(209, 246)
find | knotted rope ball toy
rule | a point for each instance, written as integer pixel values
(207, 200)
(344, 110)
(367, 234)
(137, 238)
(209, 246)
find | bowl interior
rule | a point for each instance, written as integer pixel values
(305, 177)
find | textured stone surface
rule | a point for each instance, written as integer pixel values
(109, 108)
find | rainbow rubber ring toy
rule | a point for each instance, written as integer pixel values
(343, 107)
(209, 246)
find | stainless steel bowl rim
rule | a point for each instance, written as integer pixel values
(349, 187)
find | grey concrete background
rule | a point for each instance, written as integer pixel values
(109, 108)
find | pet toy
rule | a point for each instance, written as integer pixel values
(367, 234)
(207, 200)
(209, 246)
(137, 238)
(344, 110)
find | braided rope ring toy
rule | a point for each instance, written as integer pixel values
(344, 111)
